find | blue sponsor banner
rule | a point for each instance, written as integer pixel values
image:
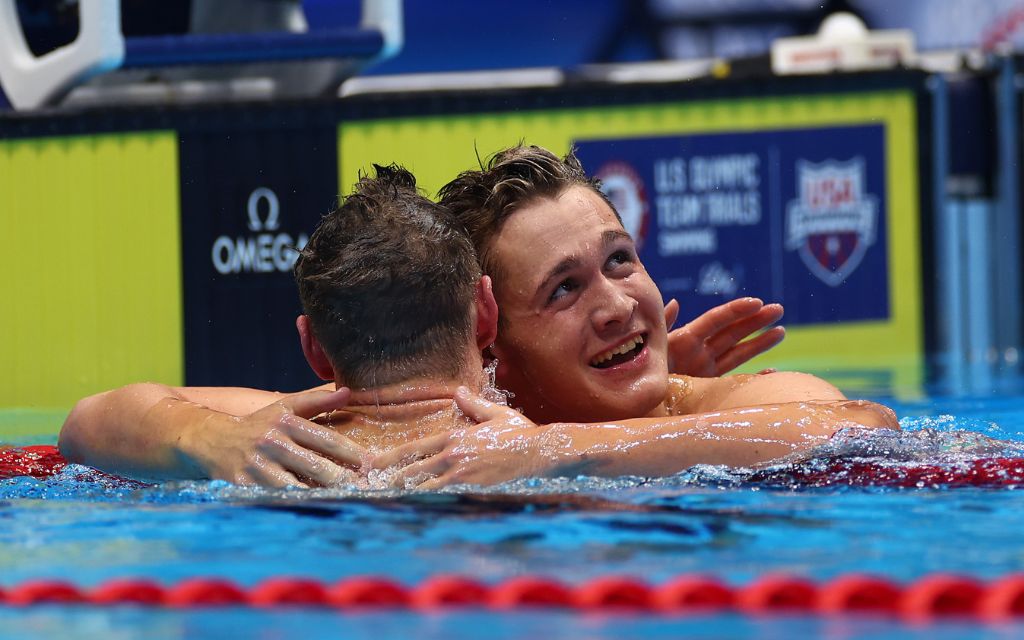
(794, 216)
(249, 200)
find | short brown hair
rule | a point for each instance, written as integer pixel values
(518, 176)
(387, 280)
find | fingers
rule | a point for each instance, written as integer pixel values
(313, 403)
(433, 467)
(279, 479)
(746, 351)
(741, 328)
(671, 313)
(267, 474)
(428, 446)
(299, 462)
(437, 483)
(477, 408)
(324, 441)
(715, 320)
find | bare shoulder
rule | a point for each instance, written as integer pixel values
(743, 390)
(688, 394)
(237, 401)
(792, 386)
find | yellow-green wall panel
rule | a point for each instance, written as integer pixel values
(92, 267)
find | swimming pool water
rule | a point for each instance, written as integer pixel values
(87, 528)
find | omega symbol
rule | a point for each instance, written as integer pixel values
(273, 210)
(265, 250)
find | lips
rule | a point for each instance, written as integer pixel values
(621, 353)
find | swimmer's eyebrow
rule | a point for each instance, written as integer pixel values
(610, 236)
(564, 266)
(568, 264)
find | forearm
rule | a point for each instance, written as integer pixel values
(734, 437)
(140, 429)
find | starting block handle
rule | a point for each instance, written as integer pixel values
(31, 82)
(386, 17)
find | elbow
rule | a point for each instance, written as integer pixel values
(75, 431)
(872, 415)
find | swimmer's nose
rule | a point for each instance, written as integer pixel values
(613, 307)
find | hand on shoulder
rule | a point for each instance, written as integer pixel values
(277, 445)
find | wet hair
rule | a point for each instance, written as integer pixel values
(482, 200)
(388, 281)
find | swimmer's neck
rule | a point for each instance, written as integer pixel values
(414, 391)
(379, 418)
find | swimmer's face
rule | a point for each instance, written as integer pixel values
(574, 295)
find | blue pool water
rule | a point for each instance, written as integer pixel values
(735, 525)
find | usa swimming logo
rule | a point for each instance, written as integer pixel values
(625, 189)
(833, 222)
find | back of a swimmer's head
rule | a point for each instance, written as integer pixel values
(388, 281)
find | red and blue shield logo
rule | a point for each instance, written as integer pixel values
(833, 222)
(624, 187)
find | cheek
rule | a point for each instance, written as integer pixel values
(545, 354)
(648, 295)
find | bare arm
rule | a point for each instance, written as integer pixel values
(137, 428)
(744, 436)
(506, 445)
(242, 435)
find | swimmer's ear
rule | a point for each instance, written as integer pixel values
(314, 353)
(486, 314)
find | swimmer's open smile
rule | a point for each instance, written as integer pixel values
(624, 352)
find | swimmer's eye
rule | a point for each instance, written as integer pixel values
(620, 258)
(564, 288)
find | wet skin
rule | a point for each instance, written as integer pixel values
(576, 292)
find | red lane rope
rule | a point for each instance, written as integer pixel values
(37, 461)
(983, 472)
(931, 597)
(43, 461)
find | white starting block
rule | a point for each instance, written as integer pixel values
(31, 81)
(843, 44)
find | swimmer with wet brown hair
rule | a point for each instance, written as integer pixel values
(394, 305)
(582, 339)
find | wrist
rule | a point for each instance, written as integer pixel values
(194, 447)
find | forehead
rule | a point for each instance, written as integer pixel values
(551, 229)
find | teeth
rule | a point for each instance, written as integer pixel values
(623, 348)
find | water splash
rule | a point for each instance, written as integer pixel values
(491, 392)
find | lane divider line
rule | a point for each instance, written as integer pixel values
(931, 597)
(43, 461)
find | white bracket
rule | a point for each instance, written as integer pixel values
(385, 16)
(31, 81)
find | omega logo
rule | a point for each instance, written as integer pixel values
(261, 252)
(273, 210)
